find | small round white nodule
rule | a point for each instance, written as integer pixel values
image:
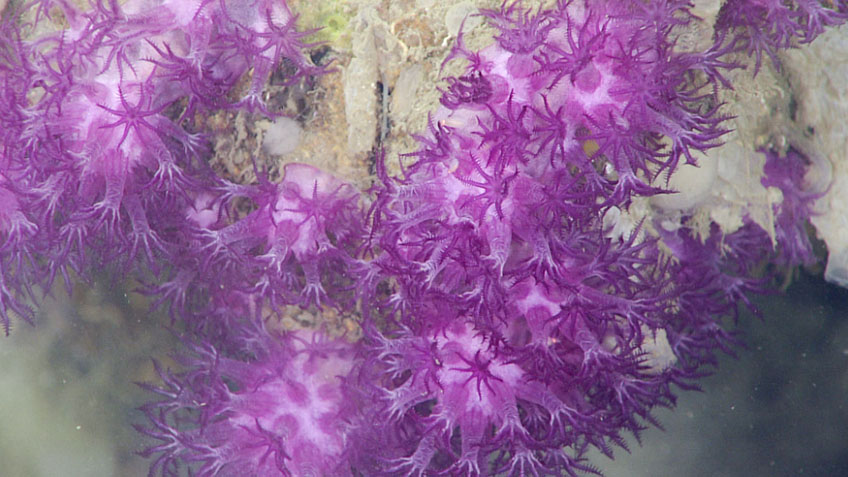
(692, 184)
(281, 137)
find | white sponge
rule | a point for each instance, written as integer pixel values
(281, 137)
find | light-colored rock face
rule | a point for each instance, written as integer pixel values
(361, 76)
(802, 105)
(819, 76)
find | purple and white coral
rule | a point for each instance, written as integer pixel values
(96, 173)
(512, 317)
(281, 413)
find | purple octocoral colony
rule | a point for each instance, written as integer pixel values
(517, 304)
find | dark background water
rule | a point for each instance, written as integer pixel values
(780, 409)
